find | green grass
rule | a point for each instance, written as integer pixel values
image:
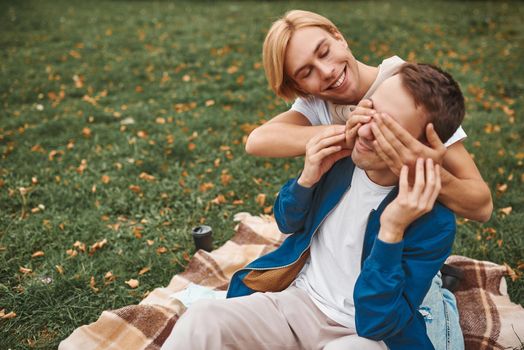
(190, 73)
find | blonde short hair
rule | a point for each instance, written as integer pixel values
(275, 45)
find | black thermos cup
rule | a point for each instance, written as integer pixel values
(203, 237)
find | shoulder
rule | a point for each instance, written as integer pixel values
(313, 108)
(438, 226)
(393, 60)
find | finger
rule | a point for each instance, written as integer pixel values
(358, 118)
(331, 131)
(438, 185)
(419, 179)
(400, 133)
(392, 164)
(335, 157)
(325, 152)
(386, 146)
(326, 142)
(390, 135)
(425, 199)
(367, 103)
(433, 139)
(364, 111)
(403, 181)
(351, 135)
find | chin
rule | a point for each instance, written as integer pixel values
(366, 161)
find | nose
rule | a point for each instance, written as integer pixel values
(327, 70)
(366, 133)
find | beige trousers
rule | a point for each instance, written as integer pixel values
(272, 321)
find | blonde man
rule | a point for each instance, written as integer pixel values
(326, 78)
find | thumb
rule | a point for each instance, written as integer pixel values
(365, 103)
(432, 137)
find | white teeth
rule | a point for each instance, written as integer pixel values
(339, 81)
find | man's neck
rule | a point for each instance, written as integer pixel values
(382, 177)
(367, 74)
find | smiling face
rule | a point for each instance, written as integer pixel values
(320, 64)
(391, 97)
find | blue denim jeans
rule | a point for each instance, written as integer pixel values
(440, 312)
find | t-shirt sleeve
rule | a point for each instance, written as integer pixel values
(313, 109)
(459, 135)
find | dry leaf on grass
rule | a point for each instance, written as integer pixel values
(37, 254)
(144, 270)
(132, 283)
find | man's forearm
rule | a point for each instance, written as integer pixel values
(281, 140)
(469, 198)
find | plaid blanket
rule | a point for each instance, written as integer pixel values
(488, 319)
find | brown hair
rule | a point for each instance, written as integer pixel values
(275, 45)
(438, 93)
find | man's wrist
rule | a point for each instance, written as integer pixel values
(391, 232)
(305, 183)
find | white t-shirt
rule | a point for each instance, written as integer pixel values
(332, 270)
(318, 110)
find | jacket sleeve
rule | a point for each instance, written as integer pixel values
(395, 279)
(292, 206)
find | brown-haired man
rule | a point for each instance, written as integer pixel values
(365, 243)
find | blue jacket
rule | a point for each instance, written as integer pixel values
(394, 278)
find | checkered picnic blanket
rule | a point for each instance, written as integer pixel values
(488, 318)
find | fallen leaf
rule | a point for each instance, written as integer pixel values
(506, 211)
(71, 252)
(511, 273)
(86, 132)
(144, 270)
(132, 283)
(98, 245)
(105, 179)
(145, 176)
(137, 232)
(225, 178)
(161, 250)
(8, 315)
(59, 269)
(80, 246)
(37, 254)
(220, 199)
(92, 284)
(261, 199)
(135, 188)
(24, 270)
(232, 69)
(206, 186)
(82, 166)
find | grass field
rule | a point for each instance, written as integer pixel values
(122, 125)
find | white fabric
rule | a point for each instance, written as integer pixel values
(329, 276)
(317, 111)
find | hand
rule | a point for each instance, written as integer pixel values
(396, 146)
(412, 201)
(360, 115)
(322, 151)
